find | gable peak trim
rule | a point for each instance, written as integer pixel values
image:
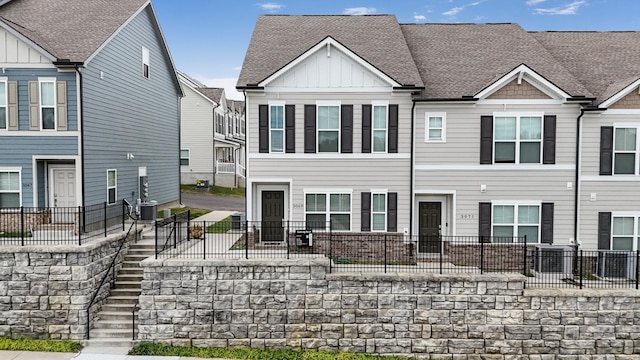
(532, 77)
(329, 42)
(621, 94)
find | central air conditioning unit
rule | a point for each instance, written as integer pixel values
(554, 259)
(617, 264)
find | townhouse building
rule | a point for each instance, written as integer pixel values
(432, 130)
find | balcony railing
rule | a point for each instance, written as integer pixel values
(228, 168)
(24, 226)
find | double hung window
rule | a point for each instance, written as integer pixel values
(3, 105)
(511, 222)
(328, 128)
(112, 186)
(322, 208)
(379, 212)
(625, 151)
(518, 139)
(184, 156)
(435, 126)
(625, 233)
(48, 104)
(380, 126)
(276, 128)
(9, 189)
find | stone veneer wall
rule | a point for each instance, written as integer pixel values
(296, 303)
(45, 290)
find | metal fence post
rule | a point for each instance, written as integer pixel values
(637, 257)
(124, 214)
(156, 238)
(524, 262)
(246, 239)
(482, 255)
(22, 225)
(330, 248)
(287, 239)
(204, 238)
(105, 218)
(175, 231)
(80, 215)
(581, 266)
(441, 252)
(385, 253)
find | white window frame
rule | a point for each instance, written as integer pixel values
(4, 103)
(13, 170)
(338, 130)
(636, 231)
(515, 223)
(146, 63)
(328, 211)
(517, 140)
(374, 193)
(374, 105)
(188, 157)
(114, 187)
(427, 126)
(636, 152)
(274, 104)
(41, 106)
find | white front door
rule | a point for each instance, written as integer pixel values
(63, 193)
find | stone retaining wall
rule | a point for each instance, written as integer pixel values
(45, 290)
(296, 303)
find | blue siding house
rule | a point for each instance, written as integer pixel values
(89, 104)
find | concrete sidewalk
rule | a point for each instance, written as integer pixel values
(214, 216)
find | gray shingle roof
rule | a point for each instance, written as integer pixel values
(605, 62)
(68, 29)
(277, 40)
(212, 93)
(458, 60)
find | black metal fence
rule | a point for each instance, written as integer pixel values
(543, 265)
(25, 226)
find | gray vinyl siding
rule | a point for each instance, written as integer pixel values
(125, 112)
(360, 175)
(462, 144)
(356, 99)
(611, 194)
(505, 185)
(23, 76)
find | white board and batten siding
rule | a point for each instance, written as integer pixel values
(14, 51)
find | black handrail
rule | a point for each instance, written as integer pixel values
(112, 265)
(133, 319)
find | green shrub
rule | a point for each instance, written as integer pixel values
(67, 346)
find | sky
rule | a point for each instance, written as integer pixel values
(209, 38)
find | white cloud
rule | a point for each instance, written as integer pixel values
(271, 7)
(534, 2)
(453, 12)
(417, 17)
(359, 11)
(229, 85)
(569, 9)
(456, 10)
(237, 68)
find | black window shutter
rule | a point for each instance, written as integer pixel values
(309, 128)
(392, 212)
(263, 128)
(604, 231)
(346, 129)
(547, 224)
(366, 128)
(393, 129)
(290, 128)
(365, 213)
(549, 145)
(606, 150)
(484, 222)
(486, 140)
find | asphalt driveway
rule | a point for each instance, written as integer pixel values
(212, 202)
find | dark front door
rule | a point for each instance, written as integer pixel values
(430, 218)
(272, 216)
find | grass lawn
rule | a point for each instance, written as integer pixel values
(194, 212)
(150, 349)
(215, 190)
(66, 346)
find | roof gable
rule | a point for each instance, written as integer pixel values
(520, 74)
(17, 49)
(329, 64)
(625, 97)
(377, 39)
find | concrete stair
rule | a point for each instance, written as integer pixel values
(113, 326)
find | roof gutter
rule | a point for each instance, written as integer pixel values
(411, 171)
(463, 99)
